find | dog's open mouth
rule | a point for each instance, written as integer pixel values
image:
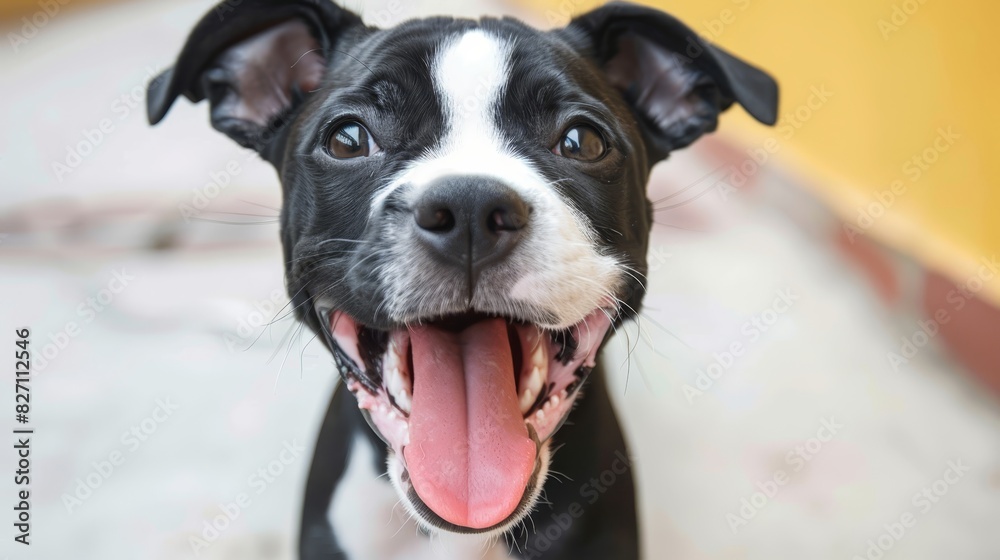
(466, 402)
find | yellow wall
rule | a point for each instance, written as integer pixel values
(893, 89)
(12, 11)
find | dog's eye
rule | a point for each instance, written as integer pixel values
(352, 140)
(582, 143)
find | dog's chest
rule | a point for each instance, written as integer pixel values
(370, 523)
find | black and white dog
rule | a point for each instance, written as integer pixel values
(464, 221)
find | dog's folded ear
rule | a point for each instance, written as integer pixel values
(255, 61)
(676, 82)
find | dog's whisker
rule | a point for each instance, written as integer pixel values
(264, 206)
(686, 202)
(339, 240)
(405, 521)
(674, 226)
(628, 362)
(302, 355)
(225, 223)
(270, 219)
(275, 320)
(298, 331)
(512, 543)
(320, 255)
(692, 185)
(362, 261)
(631, 269)
(633, 348)
(651, 345)
(485, 547)
(378, 309)
(354, 58)
(331, 258)
(534, 530)
(565, 477)
(265, 328)
(668, 331)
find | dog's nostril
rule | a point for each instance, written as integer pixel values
(469, 223)
(435, 219)
(503, 219)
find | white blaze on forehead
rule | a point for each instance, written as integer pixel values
(469, 74)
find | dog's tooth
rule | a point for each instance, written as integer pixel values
(554, 400)
(535, 372)
(540, 415)
(392, 355)
(404, 402)
(539, 356)
(532, 385)
(397, 378)
(398, 348)
(527, 399)
(392, 381)
(398, 386)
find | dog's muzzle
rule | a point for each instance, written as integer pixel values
(465, 402)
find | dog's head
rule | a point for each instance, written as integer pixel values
(464, 211)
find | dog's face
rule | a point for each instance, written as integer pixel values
(464, 216)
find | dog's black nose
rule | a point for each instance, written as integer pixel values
(470, 222)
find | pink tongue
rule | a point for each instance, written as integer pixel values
(469, 457)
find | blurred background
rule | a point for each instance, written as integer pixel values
(824, 303)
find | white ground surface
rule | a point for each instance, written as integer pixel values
(174, 333)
